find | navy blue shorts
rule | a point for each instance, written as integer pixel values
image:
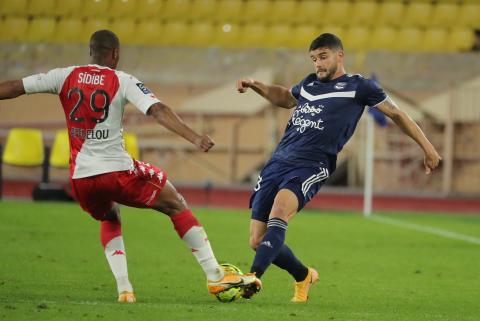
(303, 181)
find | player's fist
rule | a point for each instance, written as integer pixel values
(204, 142)
(431, 161)
(243, 84)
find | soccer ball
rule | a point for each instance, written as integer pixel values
(231, 294)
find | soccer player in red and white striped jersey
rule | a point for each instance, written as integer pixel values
(103, 174)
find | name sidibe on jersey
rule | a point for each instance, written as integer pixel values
(89, 133)
(89, 79)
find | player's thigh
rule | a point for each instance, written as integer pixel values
(285, 205)
(303, 183)
(141, 187)
(93, 196)
(257, 232)
(264, 192)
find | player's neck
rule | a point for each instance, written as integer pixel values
(100, 62)
(339, 73)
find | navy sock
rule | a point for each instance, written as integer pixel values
(288, 261)
(270, 246)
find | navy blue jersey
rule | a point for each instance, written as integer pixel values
(325, 117)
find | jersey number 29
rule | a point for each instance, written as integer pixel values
(93, 106)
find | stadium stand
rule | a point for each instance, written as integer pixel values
(13, 7)
(445, 14)
(60, 153)
(201, 34)
(14, 29)
(24, 148)
(391, 13)
(203, 10)
(68, 8)
(41, 8)
(41, 30)
(131, 145)
(68, 30)
(364, 13)
(149, 22)
(122, 8)
(418, 14)
(95, 8)
(148, 9)
(336, 12)
(229, 11)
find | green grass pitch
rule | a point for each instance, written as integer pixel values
(52, 267)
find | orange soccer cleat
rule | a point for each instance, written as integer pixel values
(127, 297)
(302, 287)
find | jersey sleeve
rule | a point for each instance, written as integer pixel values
(50, 82)
(139, 95)
(296, 89)
(370, 93)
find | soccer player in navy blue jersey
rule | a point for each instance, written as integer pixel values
(327, 106)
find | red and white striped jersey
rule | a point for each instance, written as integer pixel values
(93, 99)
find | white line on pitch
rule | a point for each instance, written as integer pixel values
(426, 229)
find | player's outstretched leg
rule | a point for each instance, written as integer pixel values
(285, 260)
(193, 234)
(112, 241)
(284, 207)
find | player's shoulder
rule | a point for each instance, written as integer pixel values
(310, 78)
(357, 77)
(126, 77)
(362, 81)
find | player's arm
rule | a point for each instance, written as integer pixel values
(11, 89)
(166, 117)
(277, 95)
(409, 127)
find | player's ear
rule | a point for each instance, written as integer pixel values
(340, 54)
(116, 53)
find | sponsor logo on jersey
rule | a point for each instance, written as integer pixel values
(89, 133)
(298, 117)
(143, 88)
(340, 85)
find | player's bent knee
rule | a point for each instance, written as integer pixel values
(171, 205)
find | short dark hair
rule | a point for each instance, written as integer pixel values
(103, 41)
(326, 40)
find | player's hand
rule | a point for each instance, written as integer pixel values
(431, 161)
(204, 142)
(243, 84)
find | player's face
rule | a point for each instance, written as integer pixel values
(326, 62)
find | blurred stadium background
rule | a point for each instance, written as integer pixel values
(190, 52)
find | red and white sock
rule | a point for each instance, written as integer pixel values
(112, 241)
(192, 233)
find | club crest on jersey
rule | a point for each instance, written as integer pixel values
(340, 85)
(144, 89)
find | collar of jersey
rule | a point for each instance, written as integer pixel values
(101, 67)
(342, 77)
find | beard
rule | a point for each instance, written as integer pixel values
(329, 75)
